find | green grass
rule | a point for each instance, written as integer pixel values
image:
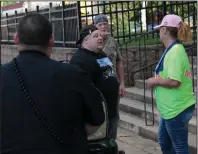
(149, 40)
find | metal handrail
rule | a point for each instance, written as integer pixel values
(152, 93)
(154, 63)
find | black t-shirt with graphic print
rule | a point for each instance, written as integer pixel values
(101, 71)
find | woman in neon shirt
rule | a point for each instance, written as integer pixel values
(173, 86)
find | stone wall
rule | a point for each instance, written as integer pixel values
(133, 57)
(8, 52)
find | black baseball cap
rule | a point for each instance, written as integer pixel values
(86, 31)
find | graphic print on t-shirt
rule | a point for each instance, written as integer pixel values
(104, 62)
(107, 66)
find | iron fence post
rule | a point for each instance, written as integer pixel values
(15, 21)
(63, 22)
(37, 9)
(103, 11)
(26, 12)
(50, 7)
(79, 23)
(7, 27)
(0, 35)
(164, 8)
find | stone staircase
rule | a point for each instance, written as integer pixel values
(132, 113)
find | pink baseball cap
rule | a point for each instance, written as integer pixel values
(170, 20)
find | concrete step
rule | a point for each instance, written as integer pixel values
(137, 124)
(140, 83)
(136, 108)
(138, 94)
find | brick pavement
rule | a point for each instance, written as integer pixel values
(131, 143)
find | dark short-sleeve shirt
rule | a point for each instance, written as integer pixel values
(100, 69)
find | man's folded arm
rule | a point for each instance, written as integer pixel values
(92, 97)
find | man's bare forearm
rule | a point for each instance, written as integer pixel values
(120, 72)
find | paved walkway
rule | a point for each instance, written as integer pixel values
(131, 143)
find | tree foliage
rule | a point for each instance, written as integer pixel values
(124, 15)
(4, 3)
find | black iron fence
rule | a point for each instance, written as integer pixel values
(127, 19)
(64, 20)
(148, 71)
(141, 52)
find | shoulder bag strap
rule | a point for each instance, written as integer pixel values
(32, 103)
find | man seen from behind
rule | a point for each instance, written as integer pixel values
(49, 115)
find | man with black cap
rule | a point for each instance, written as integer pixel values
(112, 51)
(91, 58)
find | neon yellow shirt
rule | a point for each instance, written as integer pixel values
(173, 101)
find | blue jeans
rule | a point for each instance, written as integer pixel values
(173, 133)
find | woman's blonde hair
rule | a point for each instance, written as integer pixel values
(183, 33)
